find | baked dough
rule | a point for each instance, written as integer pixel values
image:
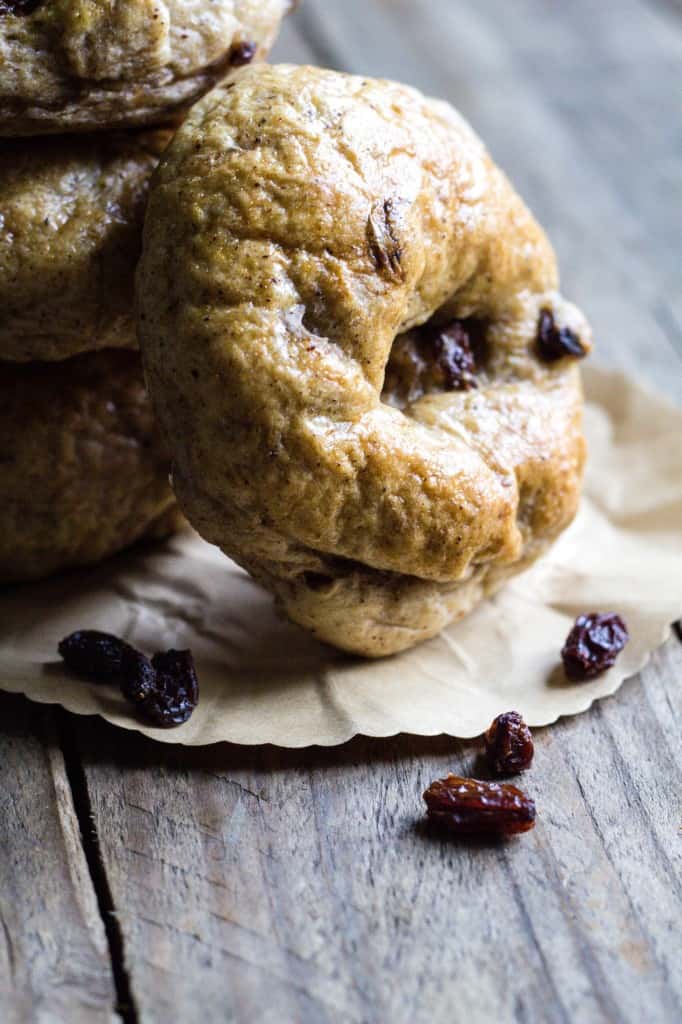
(306, 228)
(71, 213)
(83, 471)
(80, 65)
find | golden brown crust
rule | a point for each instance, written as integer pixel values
(83, 471)
(301, 221)
(80, 65)
(71, 213)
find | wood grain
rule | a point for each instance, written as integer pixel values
(54, 961)
(300, 885)
(268, 885)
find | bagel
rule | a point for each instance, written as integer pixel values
(71, 213)
(357, 351)
(83, 471)
(80, 65)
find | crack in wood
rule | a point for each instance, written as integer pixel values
(9, 945)
(529, 928)
(125, 1004)
(634, 798)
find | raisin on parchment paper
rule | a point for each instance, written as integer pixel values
(94, 654)
(165, 690)
(594, 643)
(176, 691)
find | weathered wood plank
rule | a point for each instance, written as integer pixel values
(276, 885)
(54, 962)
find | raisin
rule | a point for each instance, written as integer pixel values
(593, 645)
(317, 581)
(93, 654)
(557, 342)
(509, 744)
(432, 359)
(471, 807)
(164, 689)
(242, 53)
(454, 357)
(138, 676)
(175, 692)
(20, 8)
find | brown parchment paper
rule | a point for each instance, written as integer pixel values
(265, 681)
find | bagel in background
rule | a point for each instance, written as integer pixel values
(357, 351)
(70, 237)
(84, 474)
(79, 65)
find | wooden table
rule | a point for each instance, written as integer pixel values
(241, 884)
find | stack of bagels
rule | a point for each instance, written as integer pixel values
(90, 93)
(362, 368)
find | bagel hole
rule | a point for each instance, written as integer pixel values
(438, 357)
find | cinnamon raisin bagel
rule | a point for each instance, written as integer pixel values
(80, 65)
(83, 471)
(357, 351)
(71, 213)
